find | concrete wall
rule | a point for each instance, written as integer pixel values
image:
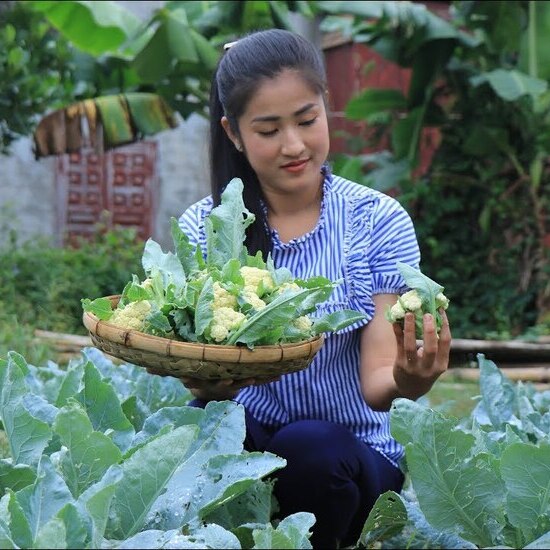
(28, 186)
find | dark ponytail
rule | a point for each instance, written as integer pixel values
(240, 71)
(227, 163)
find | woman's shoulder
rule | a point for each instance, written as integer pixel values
(198, 210)
(362, 198)
(192, 219)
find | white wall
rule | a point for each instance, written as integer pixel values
(28, 187)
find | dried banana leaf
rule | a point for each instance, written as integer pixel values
(102, 123)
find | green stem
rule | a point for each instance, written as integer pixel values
(532, 40)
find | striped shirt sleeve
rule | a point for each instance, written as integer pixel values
(393, 239)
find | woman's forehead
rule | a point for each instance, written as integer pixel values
(287, 94)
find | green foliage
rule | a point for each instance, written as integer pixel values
(42, 285)
(109, 456)
(36, 73)
(481, 210)
(478, 483)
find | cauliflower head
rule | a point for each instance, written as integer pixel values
(132, 315)
(224, 321)
(396, 312)
(411, 301)
(252, 298)
(303, 323)
(223, 298)
(441, 301)
(287, 286)
(257, 279)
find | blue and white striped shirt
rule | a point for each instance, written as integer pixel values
(360, 235)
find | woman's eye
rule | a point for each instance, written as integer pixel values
(268, 133)
(308, 122)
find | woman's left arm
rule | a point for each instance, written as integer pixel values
(391, 364)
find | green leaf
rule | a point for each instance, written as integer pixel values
(185, 252)
(19, 526)
(525, 470)
(53, 534)
(373, 101)
(225, 227)
(27, 435)
(252, 506)
(231, 475)
(167, 264)
(150, 113)
(426, 287)
(6, 541)
(338, 320)
(71, 383)
(498, 396)
(100, 307)
(292, 532)
(45, 498)
(534, 56)
(89, 454)
(103, 407)
(221, 431)
(277, 313)
(139, 487)
(542, 543)
(94, 27)
(456, 490)
(510, 85)
(15, 476)
(75, 525)
(203, 311)
(406, 135)
(96, 501)
(387, 517)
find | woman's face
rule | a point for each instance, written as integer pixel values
(284, 134)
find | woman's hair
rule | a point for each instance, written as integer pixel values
(241, 70)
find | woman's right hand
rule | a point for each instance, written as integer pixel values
(215, 390)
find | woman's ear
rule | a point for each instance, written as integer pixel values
(227, 127)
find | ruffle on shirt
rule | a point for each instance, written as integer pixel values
(375, 238)
(359, 281)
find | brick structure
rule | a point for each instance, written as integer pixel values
(122, 182)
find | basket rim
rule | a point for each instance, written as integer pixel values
(134, 339)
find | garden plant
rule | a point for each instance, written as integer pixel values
(104, 455)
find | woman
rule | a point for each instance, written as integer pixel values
(330, 422)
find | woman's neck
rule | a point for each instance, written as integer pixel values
(294, 215)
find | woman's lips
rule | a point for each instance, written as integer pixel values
(297, 166)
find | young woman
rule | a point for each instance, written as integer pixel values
(330, 422)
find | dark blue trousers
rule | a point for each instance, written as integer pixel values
(329, 473)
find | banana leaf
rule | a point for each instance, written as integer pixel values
(102, 123)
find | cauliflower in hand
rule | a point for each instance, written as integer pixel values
(412, 302)
(132, 315)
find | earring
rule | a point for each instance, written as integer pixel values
(239, 147)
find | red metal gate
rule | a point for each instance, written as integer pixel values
(118, 188)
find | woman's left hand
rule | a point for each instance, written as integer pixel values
(416, 369)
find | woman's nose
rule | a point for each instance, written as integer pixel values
(293, 144)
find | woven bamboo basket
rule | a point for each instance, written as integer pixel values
(206, 361)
